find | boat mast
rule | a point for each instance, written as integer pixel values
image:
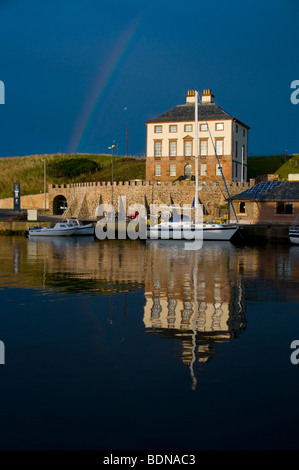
(196, 158)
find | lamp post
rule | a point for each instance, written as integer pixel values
(112, 148)
(45, 197)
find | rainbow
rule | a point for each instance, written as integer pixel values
(103, 82)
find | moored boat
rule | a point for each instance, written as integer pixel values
(59, 230)
(294, 234)
(80, 227)
(188, 231)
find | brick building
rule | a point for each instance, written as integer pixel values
(171, 149)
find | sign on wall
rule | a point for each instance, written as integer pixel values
(16, 197)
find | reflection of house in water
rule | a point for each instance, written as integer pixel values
(194, 297)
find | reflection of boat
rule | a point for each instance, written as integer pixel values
(59, 230)
(81, 228)
(63, 242)
(294, 234)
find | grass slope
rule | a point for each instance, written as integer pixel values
(275, 164)
(29, 171)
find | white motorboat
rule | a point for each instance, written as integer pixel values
(59, 230)
(81, 228)
(294, 234)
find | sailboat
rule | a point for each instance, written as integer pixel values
(182, 227)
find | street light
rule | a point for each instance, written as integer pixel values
(112, 148)
(45, 197)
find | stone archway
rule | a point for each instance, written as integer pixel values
(59, 204)
(187, 171)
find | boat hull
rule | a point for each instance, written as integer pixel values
(51, 232)
(84, 230)
(294, 237)
(209, 232)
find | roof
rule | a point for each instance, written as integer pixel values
(270, 191)
(186, 112)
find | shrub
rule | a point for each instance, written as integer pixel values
(70, 168)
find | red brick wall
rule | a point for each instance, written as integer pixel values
(181, 162)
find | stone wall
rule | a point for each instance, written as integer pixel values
(31, 201)
(83, 198)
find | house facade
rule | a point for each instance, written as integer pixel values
(171, 143)
(274, 203)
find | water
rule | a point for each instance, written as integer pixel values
(128, 345)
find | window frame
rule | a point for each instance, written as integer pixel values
(188, 130)
(207, 147)
(239, 207)
(187, 141)
(158, 127)
(217, 169)
(284, 205)
(155, 150)
(219, 139)
(173, 131)
(171, 167)
(219, 124)
(160, 171)
(203, 166)
(173, 141)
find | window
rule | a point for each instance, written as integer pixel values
(236, 149)
(218, 170)
(242, 208)
(158, 148)
(219, 126)
(203, 127)
(203, 147)
(188, 128)
(284, 208)
(237, 128)
(203, 169)
(188, 148)
(236, 170)
(157, 170)
(243, 132)
(172, 148)
(172, 128)
(219, 146)
(172, 170)
(158, 129)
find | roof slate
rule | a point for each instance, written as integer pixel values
(270, 191)
(186, 112)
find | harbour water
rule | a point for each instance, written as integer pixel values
(147, 345)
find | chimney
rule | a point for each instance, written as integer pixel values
(190, 97)
(207, 96)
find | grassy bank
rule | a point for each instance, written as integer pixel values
(29, 171)
(275, 164)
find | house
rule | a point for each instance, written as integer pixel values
(269, 202)
(170, 143)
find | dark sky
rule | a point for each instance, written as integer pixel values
(77, 72)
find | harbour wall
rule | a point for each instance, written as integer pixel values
(30, 201)
(82, 199)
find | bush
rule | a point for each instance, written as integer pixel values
(70, 168)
